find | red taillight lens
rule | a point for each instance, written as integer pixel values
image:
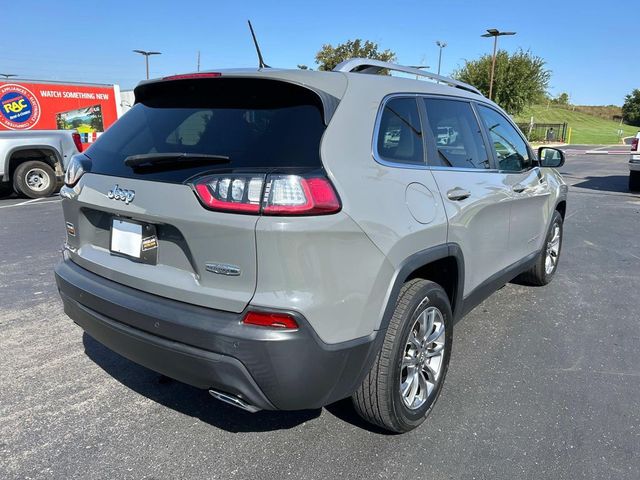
(295, 195)
(77, 140)
(634, 144)
(189, 76)
(275, 195)
(231, 193)
(273, 320)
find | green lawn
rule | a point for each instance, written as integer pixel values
(586, 128)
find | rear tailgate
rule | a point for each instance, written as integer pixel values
(199, 256)
(188, 238)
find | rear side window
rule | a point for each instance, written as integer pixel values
(258, 124)
(457, 134)
(399, 132)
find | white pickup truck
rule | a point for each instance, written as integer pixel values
(33, 162)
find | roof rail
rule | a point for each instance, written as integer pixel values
(367, 65)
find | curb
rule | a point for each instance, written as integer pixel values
(607, 152)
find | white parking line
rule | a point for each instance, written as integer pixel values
(39, 201)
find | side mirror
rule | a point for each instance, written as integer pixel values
(550, 157)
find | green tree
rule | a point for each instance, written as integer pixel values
(520, 78)
(562, 99)
(329, 56)
(631, 108)
(302, 66)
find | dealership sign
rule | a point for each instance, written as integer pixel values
(19, 107)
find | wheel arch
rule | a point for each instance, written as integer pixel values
(443, 264)
(44, 153)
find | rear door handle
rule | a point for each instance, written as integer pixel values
(458, 194)
(518, 188)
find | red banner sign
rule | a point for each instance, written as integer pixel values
(89, 109)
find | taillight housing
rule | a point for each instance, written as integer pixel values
(78, 141)
(270, 319)
(634, 144)
(272, 194)
(231, 193)
(75, 170)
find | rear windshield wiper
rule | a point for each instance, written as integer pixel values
(171, 158)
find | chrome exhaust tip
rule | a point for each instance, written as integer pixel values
(233, 400)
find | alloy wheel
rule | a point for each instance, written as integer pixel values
(553, 250)
(423, 359)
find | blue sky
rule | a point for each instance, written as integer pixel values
(589, 46)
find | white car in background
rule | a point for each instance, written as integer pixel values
(634, 164)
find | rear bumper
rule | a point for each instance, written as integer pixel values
(206, 348)
(634, 163)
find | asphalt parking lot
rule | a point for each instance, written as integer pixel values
(543, 383)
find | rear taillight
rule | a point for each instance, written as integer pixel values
(231, 193)
(634, 144)
(269, 195)
(269, 319)
(74, 171)
(295, 195)
(77, 140)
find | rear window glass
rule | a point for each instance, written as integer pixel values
(256, 123)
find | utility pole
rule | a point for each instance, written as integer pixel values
(440, 45)
(146, 58)
(198, 60)
(495, 33)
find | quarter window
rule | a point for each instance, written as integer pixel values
(399, 134)
(457, 134)
(511, 150)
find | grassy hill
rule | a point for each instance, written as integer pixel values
(586, 128)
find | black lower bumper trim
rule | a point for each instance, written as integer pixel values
(191, 365)
(268, 368)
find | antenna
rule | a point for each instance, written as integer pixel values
(261, 63)
(198, 60)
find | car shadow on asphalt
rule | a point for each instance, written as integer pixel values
(345, 411)
(187, 399)
(610, 183)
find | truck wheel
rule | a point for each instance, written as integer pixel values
(407, 375)
(34, 179)
(634, 181)
(547, 261)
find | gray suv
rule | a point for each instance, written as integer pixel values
(286, 238)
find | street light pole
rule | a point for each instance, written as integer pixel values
(146, 58)
(495, 33)
(441, 45)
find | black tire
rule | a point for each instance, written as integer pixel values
(538, 275)
(378, 400)
(25, 171)
(634, 181)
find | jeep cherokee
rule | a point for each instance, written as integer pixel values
(286, 238)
